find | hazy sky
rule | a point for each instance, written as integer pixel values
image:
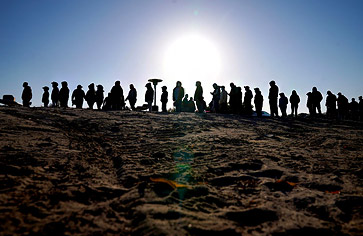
(297, 43)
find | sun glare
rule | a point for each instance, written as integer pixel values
(192, 58)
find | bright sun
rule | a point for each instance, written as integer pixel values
(192, 58)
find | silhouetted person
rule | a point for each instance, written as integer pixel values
(185, 103)
(258, 102)
(223, 100)
(132, 96)
(283, 101)
(55, 94)
(233, 98)
(309, 103)
(191, 105)
(78, 96)
(248, 100)
(64, 95)
(353, 109)
(99, 96)
(164, 98)
(178, 94)
(272, 97)
(294, 101)
(216, 95)
(331, 105)
(45, 97)
(198, 97)
(239, 99)
(107, 103)
(149, 96)
(361, 108)
(117, 95)
(343, 104)
(27, 95)
(317, 98)
(91, 95)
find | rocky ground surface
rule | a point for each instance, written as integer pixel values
(72, 172)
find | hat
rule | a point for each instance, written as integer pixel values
(79, 86)
(46, 88)
(247, 87)
(256, 89)
(99, 86)
(55, 83)
(25, 84)
(164, 87)
(272, 82)
(339, 93)
(64, 82)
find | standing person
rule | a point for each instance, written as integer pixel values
(55, 94)
(132, 97)
(64, 95)
(316, 99)
(216, 95)
(331, 105)
(361, 108)
(272, 97)
(78, 96)
(185, 103)
(223, 100)
(164, 98)
(45, 97)
(198, 97)
(248, 100)
(258, 102)
(117, 95)
(353, 109)
(26, 95)
(99, 96)
(91, 96)
(239, 100)
(294, 101)
(343, 104)
(149, 96)
(178, 94)
(283, 104)
(233, 98)
(309, 103)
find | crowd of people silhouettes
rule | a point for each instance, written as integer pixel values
(336, 106)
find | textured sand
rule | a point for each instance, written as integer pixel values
(71, 172)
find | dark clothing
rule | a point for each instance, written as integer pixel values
(273, 96)
(198, 98)
(343, 104)
(283, 105)
(248, 101)
(216, 95)
(178, 94)
(107, 104)
(132, 97)
(353, 110)
(55, 96)
(233, 99)
(91, 97)
(63, 97)
(294, 101)
(149, 95)
(99, 98)
(117, 97)
(45, 98)
(164, 101)
(331, 105)
(77, 97)
(26, 96)
(258, 103)
(191, 106)
(309, 103)
(316, 99)
(361, 109)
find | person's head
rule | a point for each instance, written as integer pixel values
(272, 82)
(54, 84)
(315, 89)
(64, 84)
(25, 84)
(91, 86)
(163, 88)
(360, 98)
(117, 83)
(339, 94)
(198, 84)
(132, 86)
(222, 87)
(79, 86)
(282, 95)
(186, 96)
(232, 85)
(353, 99)
(215, 86)
(99, 87)
(148, 85)
(191, 99)
(178, 83)
(45, 88)
(329, 92)
(257, 90)
(294, 92)
(247, 88)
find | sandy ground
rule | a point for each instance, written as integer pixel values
(82, 172)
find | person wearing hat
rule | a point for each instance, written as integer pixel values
(78, 96)
(26, 95)
(55, 94)
(248, 100)
(258, 102)
(272, 97)
(149, 96)
(132, 97)
(283, 104)
(99, 96)
(331, 105)
(164, 98)
(45, 97)
(64, 95)
(178, 94)
(91, 96)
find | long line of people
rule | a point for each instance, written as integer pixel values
(337, 106)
